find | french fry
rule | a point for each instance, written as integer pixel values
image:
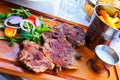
(117, 25)
(115, 20)
(102, 18)
(107, 18)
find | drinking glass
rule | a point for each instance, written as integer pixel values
(70, 9)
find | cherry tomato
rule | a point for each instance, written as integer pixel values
(10, 32)
(32, 19)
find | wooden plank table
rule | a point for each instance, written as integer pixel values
(9, 64)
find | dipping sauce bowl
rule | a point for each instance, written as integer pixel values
(105, 57)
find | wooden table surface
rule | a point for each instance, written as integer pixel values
(9, 65)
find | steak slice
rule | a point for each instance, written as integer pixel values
(55, 35)
(33, 58)
(52, 35)
(74, 34)
(59, 51)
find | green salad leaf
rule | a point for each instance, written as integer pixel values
(33, 35)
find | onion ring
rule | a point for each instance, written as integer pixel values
(37, 22)
(22, 25)
(13, 20)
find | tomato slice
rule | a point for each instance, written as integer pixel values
(10, 32)
(32, 19)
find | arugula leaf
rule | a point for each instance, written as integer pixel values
(19, 12)
(26, 12)
(31, 36)
(2, 27)
(11, 42)
(2, 16)
(4, 38)
(36, 37)
(42, 29)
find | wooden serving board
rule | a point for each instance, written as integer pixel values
(9, 65)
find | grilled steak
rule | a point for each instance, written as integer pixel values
(74, 34)
(59, 50)
(52, 35)
(31, 55)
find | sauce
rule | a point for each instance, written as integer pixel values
(105, 56)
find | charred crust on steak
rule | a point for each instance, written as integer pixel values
(74, 34)
(59, 51)
(33, 58)
(52, 35)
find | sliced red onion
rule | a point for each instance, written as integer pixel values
(22, 25)
(37, 22)
(15, 19)
(12, 20)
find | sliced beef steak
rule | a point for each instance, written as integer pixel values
(74, 34)
(52, 35)
(33, 58)
(59, 50)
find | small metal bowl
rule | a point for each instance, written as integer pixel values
(104, 58)
(108, 54)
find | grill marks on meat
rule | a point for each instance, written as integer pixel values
(59, 50)
(33, 58)
(74, 34)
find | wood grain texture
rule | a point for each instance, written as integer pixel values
(117, 68)
(9, 64)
